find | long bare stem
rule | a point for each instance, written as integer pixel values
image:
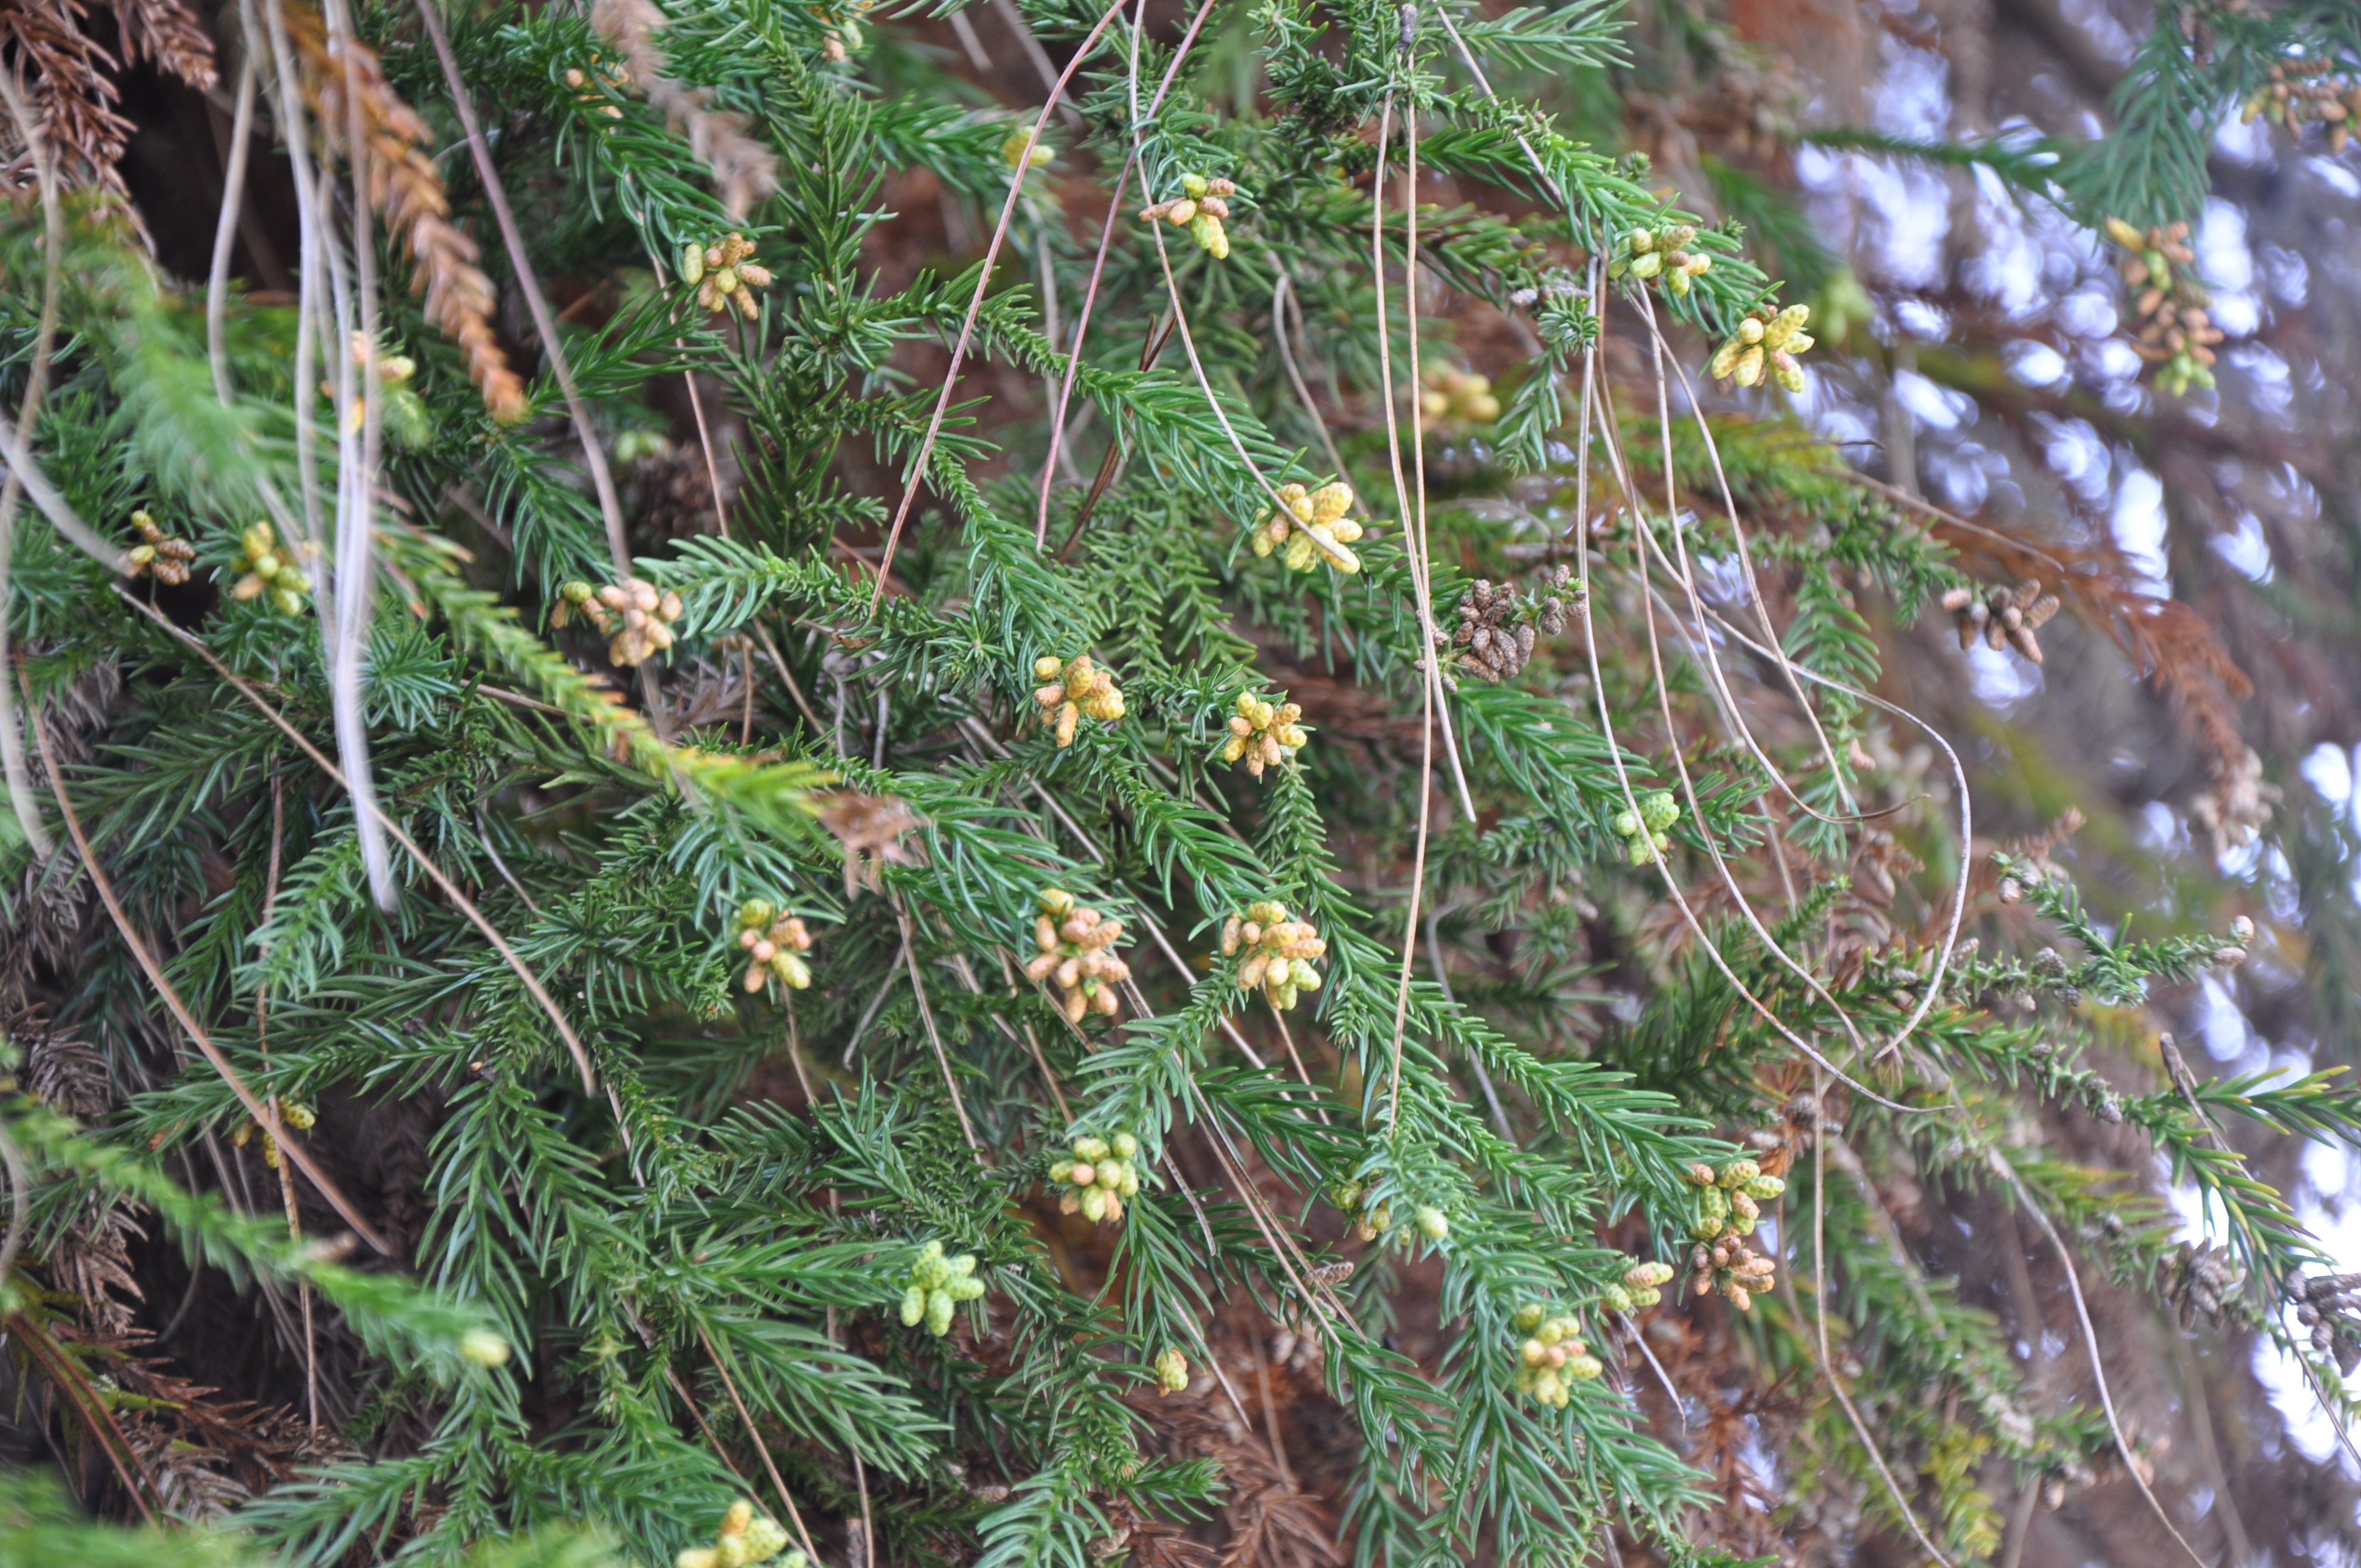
(263, 1111)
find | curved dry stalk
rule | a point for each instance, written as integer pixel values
(2089, 1342)
(1665, 702)
(263, 1112)
(1593, 404)
(20, 1184)
(1738, 536)
(1827, 1367)
(1282, 294)
(759, 1447)
(1414, 540)
(1089, 298)
(1754, 588)
(241, 136)
(1680, 1406)
(1959, 784)
(36, 379)
(933, 1038)
(449, 889)
(976, 307)
(594, 456)
(1421, 568)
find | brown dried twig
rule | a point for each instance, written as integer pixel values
(404, 186)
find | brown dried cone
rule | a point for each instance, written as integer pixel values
(744, 171)
(1076, 953)
(2004, 617)
(2330, 1308)
(2201, 1280)
(1496, 633)
(404, 187)
(158, 554)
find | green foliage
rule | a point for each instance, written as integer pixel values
(698, 1285)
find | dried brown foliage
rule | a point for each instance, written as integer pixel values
(744, 171)
(170, 34)
(71, 90)
(404, 187)
(2166, 638)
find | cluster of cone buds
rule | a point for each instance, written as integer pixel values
(1098, 1179)
(1279, 952)
(158, 554)
(1735, 1269)
(774, 941)
(1660, 253)
(1498, 630)
(634, 610)
(2297, 95)
(1552, 1360)
(1727, 1205)
(1077, 689)
(405, 413)
(1013, 153)
(725, 273)
(839, 42)
(1263, 734)
(2330, 1307)
(1367, 1223)
(1765, 343)
(1638, 1287)
(1200, 208)
(1457, 397)
(2004, 617)
(601, 84)
(1077, 952)
(937, 1284)
(1377, 1219)
(264, 568)
(1172, 1372)
(745, 1538)
(293, 1113)
(1312, 526)
(2174, 333)
(1644, 831)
